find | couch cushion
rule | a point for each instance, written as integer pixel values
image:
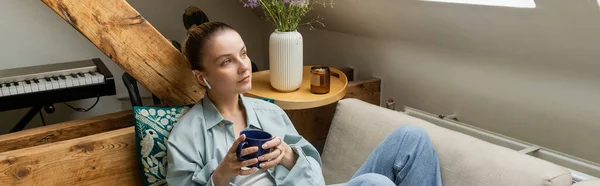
(358, 127)
(152, 128)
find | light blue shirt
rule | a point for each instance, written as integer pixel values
(202, 137)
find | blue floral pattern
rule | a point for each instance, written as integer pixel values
(152, 128)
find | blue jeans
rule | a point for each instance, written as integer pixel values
(405, 157)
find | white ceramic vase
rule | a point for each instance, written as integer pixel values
(285, 60)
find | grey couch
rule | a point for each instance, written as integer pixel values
(464, 160)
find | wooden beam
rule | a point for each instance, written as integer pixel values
(313, 124)
(128, 39)
(65, 131)
(101, 159)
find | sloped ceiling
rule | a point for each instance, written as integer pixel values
(472, 27)
(557, 28)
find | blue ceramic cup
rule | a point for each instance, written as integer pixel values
(254, 138)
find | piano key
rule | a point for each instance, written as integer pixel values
(75, 81)
(54, 78)
(81, 74)
(55, 83)
(27, 82)
(42, 85)
(69, 81)
(94, 77)
(47, 78)
(88, 78)
(7, 84)
(36, 81)
(62, 83)
(20, 88)
(81, 79)
(13, 90)
(73, 75)
(100, 78)
(27, 87)
(1, 92)
(16, 83)
(62, 77)
(48, 84)
(5, 91)
(34, 87)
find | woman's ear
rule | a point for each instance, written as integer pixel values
(199, 77)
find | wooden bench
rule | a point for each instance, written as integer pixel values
(101, 150)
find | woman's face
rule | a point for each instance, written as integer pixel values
(227, 67)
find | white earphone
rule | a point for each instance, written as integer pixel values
(204, 79)
(208, 85)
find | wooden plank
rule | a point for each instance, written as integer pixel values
(313, 124)
(65, 131)
(102, 159)
(367, 90)
(128, 39)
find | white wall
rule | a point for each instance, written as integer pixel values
(532, 74)
(32, 34)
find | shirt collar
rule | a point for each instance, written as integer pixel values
(213, 117)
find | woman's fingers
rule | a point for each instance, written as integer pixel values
(272, 163)
(249, 162)
(237, 141)
(249, 150)
(272, 143)
(271, 155)
(247, 172)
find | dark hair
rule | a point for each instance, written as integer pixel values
(196, 39)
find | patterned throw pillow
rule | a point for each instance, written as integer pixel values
(152, 128)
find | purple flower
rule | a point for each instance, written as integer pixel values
(250, 3)
(296, 2)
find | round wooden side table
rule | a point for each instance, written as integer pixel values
(301, 98)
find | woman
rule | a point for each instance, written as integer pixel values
(201, 147)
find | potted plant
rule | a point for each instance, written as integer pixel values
(285, 43)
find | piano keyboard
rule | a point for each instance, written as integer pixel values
(50, 83)
(47, 84)
(48, 77)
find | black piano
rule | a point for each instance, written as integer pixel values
(43, 85)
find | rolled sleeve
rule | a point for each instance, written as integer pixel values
(184, 171)
(203, 174)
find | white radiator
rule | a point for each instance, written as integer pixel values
(580, 169)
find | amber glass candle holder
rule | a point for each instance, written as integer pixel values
(319, 79)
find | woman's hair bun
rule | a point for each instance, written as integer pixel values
(194, 16)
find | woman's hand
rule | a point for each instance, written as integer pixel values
(231, 167)
(281, 153)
